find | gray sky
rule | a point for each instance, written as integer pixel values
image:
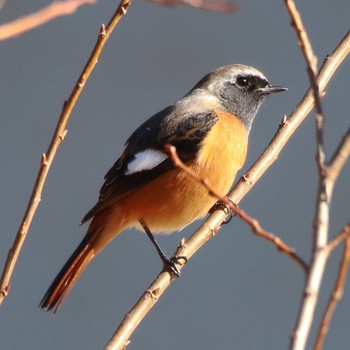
(238, 291)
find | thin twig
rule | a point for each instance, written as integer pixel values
(333, 170)
(39, 18)
(324, 194)
(252, 222)
(210, 5)
(339, 238)
(57, 138)
(339, 157)
(337, 293)
(2, 3)
(187, 248)
(311, 62)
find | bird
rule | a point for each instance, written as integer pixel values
(209, 128)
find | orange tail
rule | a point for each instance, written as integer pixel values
(68, 275)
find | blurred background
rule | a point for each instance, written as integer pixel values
(237, 291)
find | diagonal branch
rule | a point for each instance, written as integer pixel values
(57, 138)
(339, 157)
(187, 248)
(339, 238)
(252, 222)
(39, 18)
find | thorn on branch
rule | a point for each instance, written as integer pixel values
(102, 32)
(246, 179)
(43, 159)
(5, 291)
(153, 293)
(63, 134)
(283, 122)
(82, 80)
(182, 243)
(125, 7)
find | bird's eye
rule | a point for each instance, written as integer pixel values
(242, 81)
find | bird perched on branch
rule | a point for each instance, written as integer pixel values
(209, 127)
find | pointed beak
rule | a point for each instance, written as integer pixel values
(269, 89)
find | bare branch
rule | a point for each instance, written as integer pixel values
(339, 158)
(311, 62)
(334, 168)
(340, 237)
(337, 293)
(57, 138)
(210, 5)
(37, 19)
(324, 195)
(321, 251)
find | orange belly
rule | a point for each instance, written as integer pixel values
(174, 200)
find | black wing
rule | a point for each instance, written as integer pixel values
(184, 131)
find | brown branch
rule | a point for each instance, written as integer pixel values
(334, 167)
(187, 248)
(339, 238)
(339, 157)
(37, 19)
(324, 195)
(57, 138)
(252, 222)
(337, 293)
(2, 3)
(210, 5)
(333, 170)
(311, 62)
(328, 174)
(304, 41)
(321, 218)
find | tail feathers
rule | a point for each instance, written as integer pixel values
(68, 275)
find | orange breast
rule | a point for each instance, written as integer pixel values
(174, 200)
(223, 151)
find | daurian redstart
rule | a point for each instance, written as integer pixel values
(209, 127)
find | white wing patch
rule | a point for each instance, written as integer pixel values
(145, 160)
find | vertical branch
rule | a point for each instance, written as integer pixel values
(311, 62)
(337, 293)
(324, 195)
(57, 138)
(334, 167)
